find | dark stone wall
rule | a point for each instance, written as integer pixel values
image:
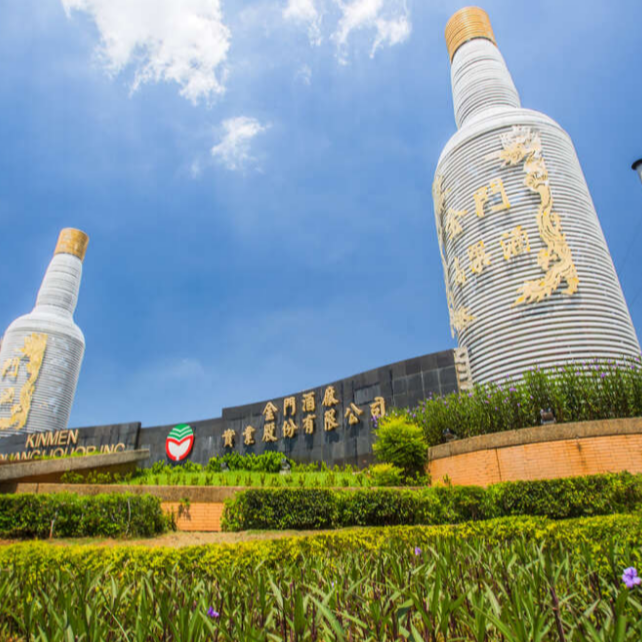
(402, 384)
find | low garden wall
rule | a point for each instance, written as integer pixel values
(544, 452)
(51, 470)
(195, 508)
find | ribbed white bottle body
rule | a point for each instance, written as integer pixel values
(480, 80)
(504, 339)
(55, 386)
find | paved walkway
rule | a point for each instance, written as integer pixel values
(173, 540)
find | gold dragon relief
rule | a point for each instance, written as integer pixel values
(32, 355)
(522, 145)
(460, 317)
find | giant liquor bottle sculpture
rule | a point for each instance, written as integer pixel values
(529, 277)
(42, 351)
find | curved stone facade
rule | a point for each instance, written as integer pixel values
(529, 277)
(42, 352)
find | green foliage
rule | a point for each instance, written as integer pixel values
(576, 392)
(565, 498)
(386, 475)
(281, 509)
(301, 476)
(267, 462)
(512, 579)
(70, 515)
(402, 443)
(94, 477)
(308, 508)
(312, 467)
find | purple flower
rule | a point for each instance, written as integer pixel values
(212, 613)
(602, 375)
(417, 551)
(630, 577)
(512, 390)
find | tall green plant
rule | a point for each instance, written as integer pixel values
(575, 392)
(402, 443)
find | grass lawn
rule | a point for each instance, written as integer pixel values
(242, 478)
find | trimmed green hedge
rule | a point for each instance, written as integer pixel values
(208, 562)
(313, 508)
(69, 515)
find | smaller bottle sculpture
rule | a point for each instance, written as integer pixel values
(42, 351)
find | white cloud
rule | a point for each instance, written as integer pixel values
(182, 41)
(195, 169)
(304, 74)
(234, 149)
(305, 12)
(389, 18)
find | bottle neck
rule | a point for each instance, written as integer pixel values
(61, 284)
(480, 80)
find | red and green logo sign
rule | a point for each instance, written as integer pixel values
(179, 442)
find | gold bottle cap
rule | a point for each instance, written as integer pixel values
(468, 23)
(72, 241)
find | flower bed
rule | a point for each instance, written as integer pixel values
(507, 579)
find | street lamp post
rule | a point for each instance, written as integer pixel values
(637, 167)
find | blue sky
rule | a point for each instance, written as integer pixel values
(255, 177)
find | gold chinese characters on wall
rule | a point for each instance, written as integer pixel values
(281, 423)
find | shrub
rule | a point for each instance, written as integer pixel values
(307, 508)
(208, 562)
(565, 498)
(69, 515)
(93, 477)
(386, 475)
(280, 509)
(267, 462)
(575, 392)
(401, 443)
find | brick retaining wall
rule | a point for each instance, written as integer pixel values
(544, 452)
(200, 516)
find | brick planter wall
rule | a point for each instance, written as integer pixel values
(544, 452)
